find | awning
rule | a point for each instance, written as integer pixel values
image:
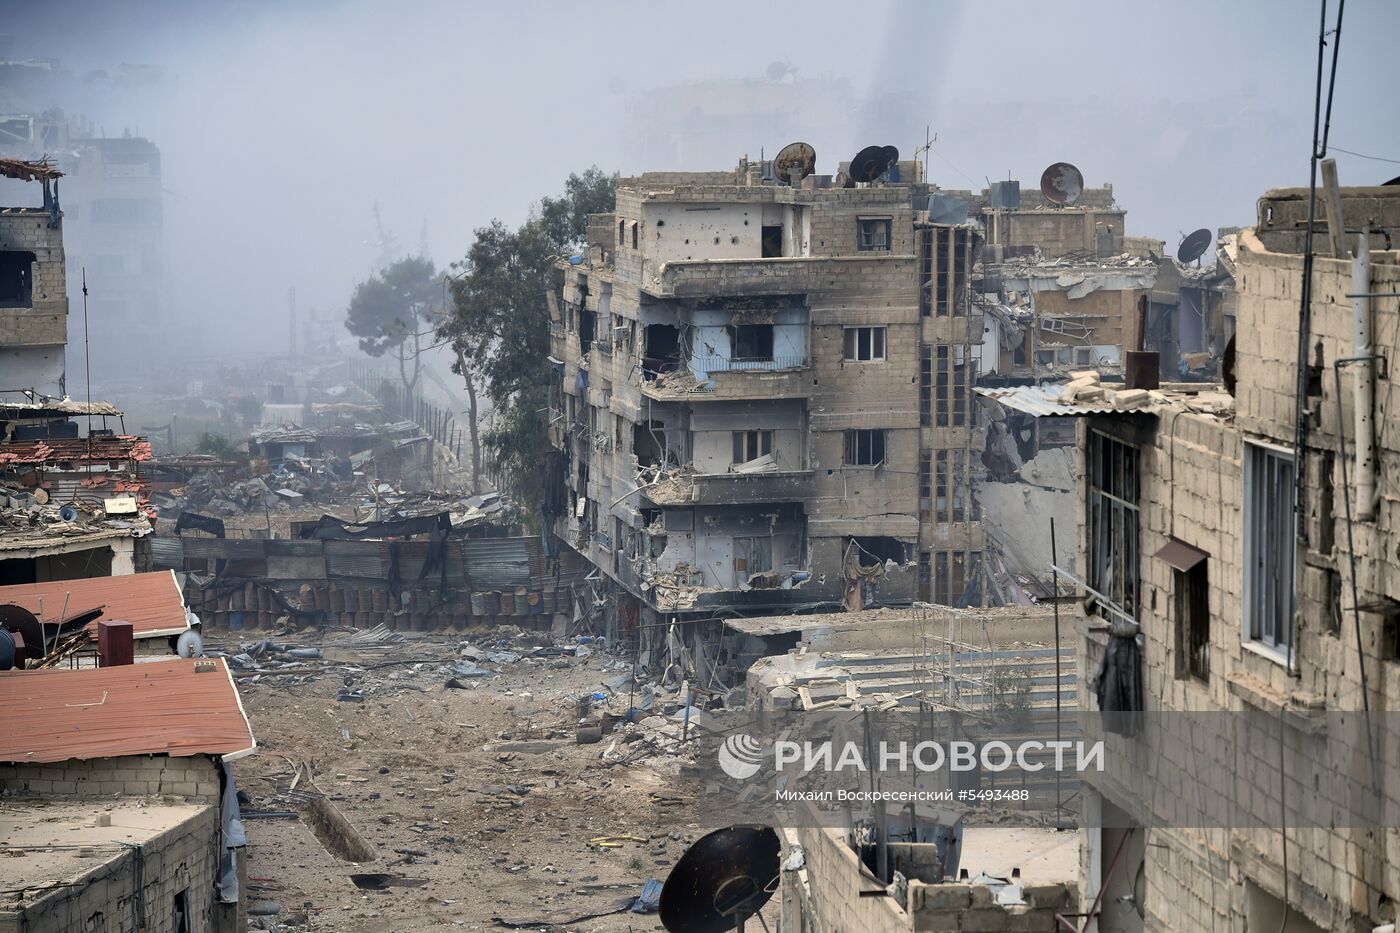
(1180, 555)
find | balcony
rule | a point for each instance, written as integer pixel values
(749, 380)
(786, 275)
(733, 488)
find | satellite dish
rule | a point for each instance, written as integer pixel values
(1194, 245)
(19, 619)
(1062, 183)
(68, 513)
(7, 650)
(795, 162)
(189, 645)
(844, 181)
(872, 162)
(722, 879)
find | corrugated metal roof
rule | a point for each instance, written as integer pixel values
(1044, 400)
(497, 561)
(151, 602)
(178, 707)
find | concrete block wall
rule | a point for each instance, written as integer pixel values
(44, 323)
(194, 777)
(184, 858)
(825, 896)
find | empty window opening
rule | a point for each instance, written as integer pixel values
(587, 328)
(634, 234)
(875, 550)
(772, 241)
(16, 279)
(180, 912)
(753, 342)
(865, 344)
(1191, 598)
(1263, 911)
(662, 352)
(1113, 520)
(873, 234)
(1268, 546)
(753, 554)
(750, 445)
(648, 442)
(621, 232)
(865, 448)
(926, 576)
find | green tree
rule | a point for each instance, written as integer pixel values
(217, 446)
(392, 311)
(498, 324)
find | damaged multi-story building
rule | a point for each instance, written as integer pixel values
(763, 394)
(33, 295)
(1222, 584)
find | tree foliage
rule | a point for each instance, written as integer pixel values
(499, 321)
(391, 311)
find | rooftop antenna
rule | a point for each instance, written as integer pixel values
(87, 368)
(929, 139)
(1062, 184)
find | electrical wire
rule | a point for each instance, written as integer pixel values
(1362, 155)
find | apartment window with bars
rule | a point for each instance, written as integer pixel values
(865, 448)
(864, 344)
(1268, 547)
(873, 233)
(1113, 520)
(750, 445)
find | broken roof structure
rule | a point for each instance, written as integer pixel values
(179, 707)
(152, 602)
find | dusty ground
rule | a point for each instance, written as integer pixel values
(424, 769)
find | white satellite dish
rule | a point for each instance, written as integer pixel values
(190, 645)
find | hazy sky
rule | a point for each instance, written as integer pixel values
(281, 123)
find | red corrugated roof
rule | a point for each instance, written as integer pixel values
(178, 707)
(109, 447)
(151, 602)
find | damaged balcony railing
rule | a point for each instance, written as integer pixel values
(720, 364)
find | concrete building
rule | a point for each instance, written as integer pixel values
(119, 807)
(33, 296)
(1226, 585)
(113, 218)
(763, 395)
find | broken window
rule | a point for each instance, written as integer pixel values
(940, 285)
(16, 278)
(750, 445)
(925, 384)
(925, 484)
(959, 271)
(1192, 622)
(621, 232)
(865, 448)
(1113, 520)
(752, 555)
(925, 272)
(634, 234)
(941, 499)
(180, 912)
(772, 241)
(962, 373)
(1268, 546)
(662, 352)
(873, 234)
(587, 328)
(925, 576)
(941, 383)
(864, 344)
(751, 342)
(959, 485)
(647, 442)
(950, 576)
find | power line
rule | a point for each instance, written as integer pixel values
(1362, 155)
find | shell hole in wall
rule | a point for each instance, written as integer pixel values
(716, 241)
(734, 239)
